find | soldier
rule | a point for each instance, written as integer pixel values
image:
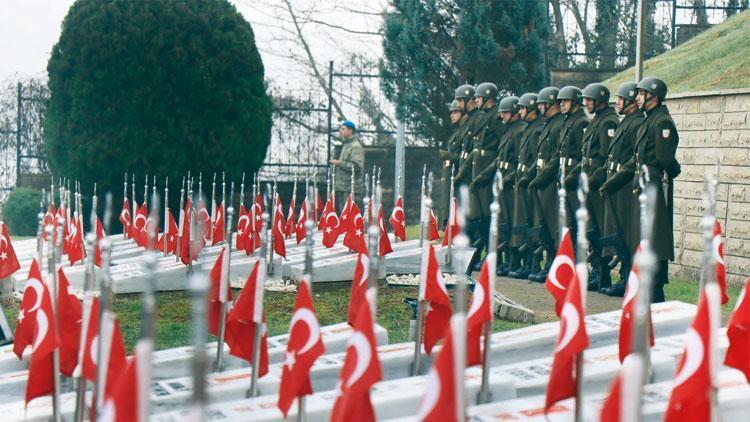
(450, 156)
(594, 148)
(507, 163)
(655, 148)
(569, 152)
(465, 96)
(620, 218)
(486, 138)
(542, 188)
(351, 159)
(525, 171)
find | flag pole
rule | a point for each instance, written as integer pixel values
(105, 285)
(582, 217)
(213, 208)
(132, 201)
(333, 185)
(366, 203)
(451, 216)
(253, 216)
(425, 221)
(646, 263)
(124, 197)
(166, 214)
(223, 199)
(145, 345)
(301, 416)
(397, 194)
(198, 287)
(485, 395)
(258, 309)
(458, 321)
(242, 193)
(271, 269)
(224, 290)
(180, 224)
(423, 229)
(51, 266)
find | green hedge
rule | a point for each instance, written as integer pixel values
(20, 211)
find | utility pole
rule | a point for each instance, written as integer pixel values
(639, 43)
(19, 121)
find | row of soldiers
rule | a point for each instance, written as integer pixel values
(540, 143)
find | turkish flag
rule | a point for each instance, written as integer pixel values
(111, 342)
(219, 225)
(203, 218)
(344, 216)
(439, 400)
(291, 221)
(618, 404)
(243, 222)
(125, 218)
(361, 370)
(75, 245)
(437, 307)
(738, 332)
(561, 272)
(330, 226)
(246, 312)
(278, 230)
(218, 293)
(41, 379)
(612, 407)
(33, 295)
(121, 404)
(453, 225)
(49, 220)
(321, 214)
(571, 341)
(318, 202)
(690, 398)
(303, 349)
(355, 235)
(433, 235)
(254, 227)
(718, 256)
(398, 220)
(385, 243)
(480, 312)
(62, 213)
(70, 314)
(359, 286)
(139, 226)
(8, 260)
(187, 250)
(97, 245)
(299, 228)
(171, 232)
(629, 304)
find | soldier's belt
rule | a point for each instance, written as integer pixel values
(564, 160)
(540, 162)
(614, 166)
(464, 155)
(447, 163)
(503, 165)
(523, 167)
(482, 152)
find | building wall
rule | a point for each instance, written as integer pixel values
(713, 126)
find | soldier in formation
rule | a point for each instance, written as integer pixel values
(542, 142)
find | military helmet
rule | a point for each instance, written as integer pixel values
(547, 95)
(528, 100)
(455, 106)
(464, 92)
(570, 93)
(486, 90)
(597, 92)
(509, 104)
(628, 91)
(654, 85)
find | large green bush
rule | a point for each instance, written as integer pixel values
(157, 87)
(20, 211)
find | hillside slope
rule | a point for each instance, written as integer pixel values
(719, 58)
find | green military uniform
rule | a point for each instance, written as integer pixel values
(543, 185)
(569, 156)
(465, 160)
(617, 185)
(525, 171)
(483, 155)
(449, 158)
(352, 157)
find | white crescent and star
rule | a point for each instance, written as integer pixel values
(634, 283)
(557, 263)
(717, 249)
(477, 299)
(364, 355)
(306, 316)
(693, 356)
(42, 324)
(569, 315)
(431, 394)
(39, 289)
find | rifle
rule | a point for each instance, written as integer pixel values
(617, 240)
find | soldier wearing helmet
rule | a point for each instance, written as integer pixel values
(523, 213)
(486, 137)
(542, 187)
(655, 149)
(594, 146)
(622, 209)
(450, 156)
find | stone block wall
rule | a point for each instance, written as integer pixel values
(713, 126)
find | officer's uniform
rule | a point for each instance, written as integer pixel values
(569, 156)
(352, 157)
(450, 157)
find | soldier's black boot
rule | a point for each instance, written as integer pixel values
(535, 267)
(541, 276)
(525, 268)
(601, 268)
(512, 261)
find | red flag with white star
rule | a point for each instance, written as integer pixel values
(8, 260)
(125, 218)
(439, 400)
(291, 220)
(278, 230)
(41, 373)
(355, 235)
(738, 332)
(453, 225)
(437, 308)
(70, 314)
(398, 220)
(359, 286)
(218, 293)
(330, 226)
(629, 304)
(361, 370)
(170, 245)
(26, 319)
(480, 312)
(299, 228)
(219, 227)
(303, 349)
(385, 242)
(562, 271)
(718, 256)
(246, 312)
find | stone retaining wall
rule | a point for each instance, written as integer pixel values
(712, 126)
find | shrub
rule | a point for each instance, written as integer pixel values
(20, 211)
